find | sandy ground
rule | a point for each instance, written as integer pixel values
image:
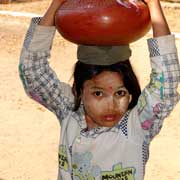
(29, 133)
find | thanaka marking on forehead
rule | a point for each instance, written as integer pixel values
(110, 89)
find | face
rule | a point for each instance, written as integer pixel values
(105, 99)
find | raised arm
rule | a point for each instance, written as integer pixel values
(160, 96)
(39, 80)
(159, 24)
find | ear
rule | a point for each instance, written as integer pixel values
(130, 98)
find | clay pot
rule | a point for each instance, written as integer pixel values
(102, 22)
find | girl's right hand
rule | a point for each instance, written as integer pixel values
(48, 18)
(55, 4)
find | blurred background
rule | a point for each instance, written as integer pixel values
(29, 133)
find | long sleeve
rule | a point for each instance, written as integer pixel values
(39, 80)
(160, 96)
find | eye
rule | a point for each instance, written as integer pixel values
(97, 93)
(121, 93)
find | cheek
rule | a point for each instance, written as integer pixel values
(91, 105)
(88, 102)
(122, 104)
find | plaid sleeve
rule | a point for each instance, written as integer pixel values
(39, 80)
(160, 96)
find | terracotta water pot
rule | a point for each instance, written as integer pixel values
(102, 22)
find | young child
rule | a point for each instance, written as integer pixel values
(107, 123)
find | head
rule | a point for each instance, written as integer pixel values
(106, 91)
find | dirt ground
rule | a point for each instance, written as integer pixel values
(29, 133)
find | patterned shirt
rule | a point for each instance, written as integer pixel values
(102, 153)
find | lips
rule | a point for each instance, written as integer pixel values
(110, 117)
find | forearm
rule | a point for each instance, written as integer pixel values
(159, 24)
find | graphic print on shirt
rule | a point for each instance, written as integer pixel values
(83, 170)
(63, 160)
(118, 173)
(157, 81)
(148, 123)
(22, 76)
(155, 84)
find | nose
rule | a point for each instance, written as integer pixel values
(111, 103)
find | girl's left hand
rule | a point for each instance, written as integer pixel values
(159, 24)
(148, 2)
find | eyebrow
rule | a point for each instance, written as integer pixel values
(95, 87)
(100, 88)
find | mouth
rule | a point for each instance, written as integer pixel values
(110, 117)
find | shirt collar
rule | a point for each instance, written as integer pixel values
(93, 133)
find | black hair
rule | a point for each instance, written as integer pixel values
(83, 72)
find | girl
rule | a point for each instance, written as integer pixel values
(107, 123)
